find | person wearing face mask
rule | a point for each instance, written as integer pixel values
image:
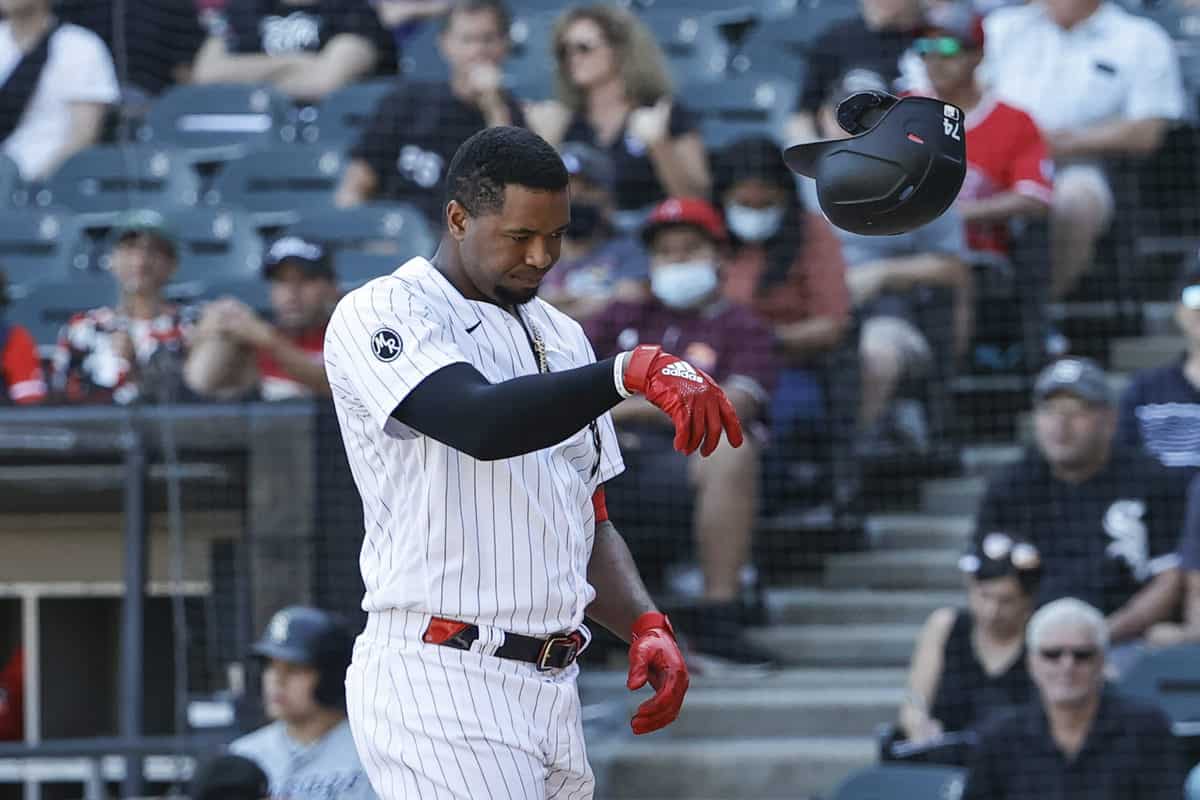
(598, 264)
(717, 498)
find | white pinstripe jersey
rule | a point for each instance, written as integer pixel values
(503, 543)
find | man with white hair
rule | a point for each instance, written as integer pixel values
(1082, 740)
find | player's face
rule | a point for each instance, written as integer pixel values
(142, 264)
(289, 691)
(301, 300)
(473, 37)
(1072, 433)
(506, 255)
(1067, 665)
(999, 605)
(586, 55)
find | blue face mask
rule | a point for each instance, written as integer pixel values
(683, 284)
(753, 224)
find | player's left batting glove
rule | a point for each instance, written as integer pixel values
(655, 658)
(694, 401)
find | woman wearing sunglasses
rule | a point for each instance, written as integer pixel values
(970, 664)
(614, 93)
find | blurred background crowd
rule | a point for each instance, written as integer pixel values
(966, 509)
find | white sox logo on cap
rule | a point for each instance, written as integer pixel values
(385, 344)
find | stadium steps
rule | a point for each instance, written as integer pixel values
(921, 531)
(800, 606)
(952, 496)
(894, 569)
(862, 645)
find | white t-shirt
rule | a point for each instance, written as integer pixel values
(502, 543)
(78, 69)
(1113, 65)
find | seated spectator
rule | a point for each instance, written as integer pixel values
(614, 93)
(158, 39)
(405, 17)
(305, 653)
(235, 352)
(305, 48)
(132, 352)
(230, 778)
(21, 380)
(1081, 740)
(876, 41)
(716, 497)
(1160, 410)
(1100, 82)
(597, 265)
(785, 264)
(1008, 169)
(1105, 519)
(1166, 634)
(969, 664)
(403, 154)
(56, 83)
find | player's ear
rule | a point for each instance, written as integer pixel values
(456, 220)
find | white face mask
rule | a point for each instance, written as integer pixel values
(753, 224)
(684, 283)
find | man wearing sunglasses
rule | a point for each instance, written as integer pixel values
(1083, 740)
(1008, 169)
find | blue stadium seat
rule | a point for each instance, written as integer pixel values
(775, 48)
(253, 291)
(354, 268)
(397, 230)
(808, 17)
(910, 782)
(279, 183)
(421, 60)
(108, 179)
(44, 308)
(1169, 678)
(214, 244)
(342, 116)
(10, 182)
(217, 122)
(38, 245)
(740, 106)
(529, 71)
(693, 46)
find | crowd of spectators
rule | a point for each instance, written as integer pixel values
(717, 252)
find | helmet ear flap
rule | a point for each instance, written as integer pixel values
(860, 112)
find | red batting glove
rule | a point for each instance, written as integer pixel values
(654, 657)
(694, 401)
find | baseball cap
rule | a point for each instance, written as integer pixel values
(584, 161)
(684, 211)
(1081, 377)
(230, 777)
(309, 255)
(143, 221)
(957, 21)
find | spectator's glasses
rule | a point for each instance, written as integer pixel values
(944, 46)
(998, 546)
(580, 47)
(1190, 297)
(1080, 655)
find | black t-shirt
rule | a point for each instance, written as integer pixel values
(159, 35)
(1160, 411)
(276, 28)
(848, 45)
(1129, 754)
(409, 142)
(637, 184)
(1101, 540)
(967, 696)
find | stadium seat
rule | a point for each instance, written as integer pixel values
(280, 182)
(420, 60)
(45, 307)
(809, 17)
(109, 178)
(253, 291)
(397, 230)
(38, 245)
(733, 107)
(910, 782)
(1169, 678)
(354, 267)
(217, 122)
(693, 45)
(772, 48)
(529, 71)
(214, 244)
(10, 182)
(342, 116)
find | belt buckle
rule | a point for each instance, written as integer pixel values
(567, 646)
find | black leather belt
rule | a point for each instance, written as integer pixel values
(554, 652)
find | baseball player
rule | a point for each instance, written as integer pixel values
(307, 752)
(475, 418)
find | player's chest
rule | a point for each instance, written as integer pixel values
(503, 346)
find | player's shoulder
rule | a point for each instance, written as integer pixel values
(402, 292)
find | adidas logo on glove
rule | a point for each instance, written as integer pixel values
(682, 369)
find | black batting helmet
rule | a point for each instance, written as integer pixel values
(319, 639)
(901, 168)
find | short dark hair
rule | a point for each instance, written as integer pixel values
(498, 9)
(497, 157)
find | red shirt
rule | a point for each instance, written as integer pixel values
(274, 382)
(21, 375)
(12, 698)
(1005, 153)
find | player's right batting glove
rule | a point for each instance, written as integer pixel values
(696, 404)
(655, 658)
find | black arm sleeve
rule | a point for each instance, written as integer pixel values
(458, 407)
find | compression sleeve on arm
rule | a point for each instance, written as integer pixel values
(458, 407)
